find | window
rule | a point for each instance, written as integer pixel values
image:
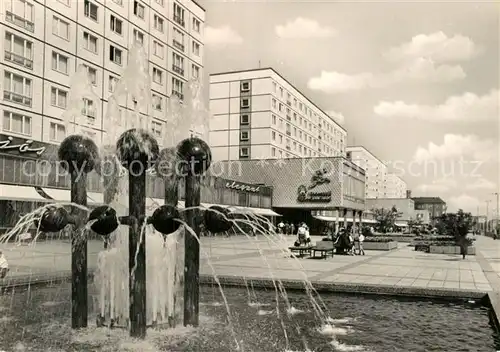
(274, 119)
(57, 132)
(60, 28)
(90, 10)
(59, 63)
(178, 39)
(118, 2)
(273, 151)
(20, 13)
(196, 25)
(178, 64)
(89, 134)
(138, 36)
(245, 103)
(196, 49)
(18, 50)
(16, 123)
(178, 14)
(112, 81)
(138, 9)
(159, 2)
(116, 25)
(245, 86)
(281, 92)
(58, 97)
(273, 135)
(158, 49)
(244, 136)
(156, 128)
(115, 55)
(244, 119)
(92, 72)
(17, 89)
(177, 87)
(196, 71)
(157, 102)
(89, 111)
(158, 23)
(157, 75)
(90, 42)
(273, 102)
(244, 152)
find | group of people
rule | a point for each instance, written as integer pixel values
(349, 242)
(286, 228)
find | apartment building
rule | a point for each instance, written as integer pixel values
(45, 42)
(395, 186)
(258, 114)
(375, 171)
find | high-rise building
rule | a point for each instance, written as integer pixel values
(45, 42)
(258, 114)
(395, 186)
(375, 171)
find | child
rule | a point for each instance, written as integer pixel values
(4, 265)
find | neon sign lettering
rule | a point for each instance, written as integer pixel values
(21, 148)
(242, 187)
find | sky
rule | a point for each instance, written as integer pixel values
(416, 83)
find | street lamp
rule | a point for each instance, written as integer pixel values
(487, 212)
(498, 208)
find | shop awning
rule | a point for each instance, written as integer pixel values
(334, 219)
(20, 193)
(256, 211)
(156, 202)
(64, 195)
(401, 224)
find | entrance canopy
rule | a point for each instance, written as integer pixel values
(256, 211)
(334, 219)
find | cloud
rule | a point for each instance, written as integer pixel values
(481, 184)
(441, 185)
(302, 28)
(455, 146)
(337, 116)
(224, 35)
(466, 107)
(436, 46)
(418, 70)
(464, 202)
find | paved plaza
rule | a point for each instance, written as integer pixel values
(260, 258)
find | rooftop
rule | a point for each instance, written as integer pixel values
(428, 200)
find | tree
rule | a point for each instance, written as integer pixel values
(414, 224)
(457, 225)
(385, 218)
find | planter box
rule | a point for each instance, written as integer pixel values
(451, 250)
(380, 246)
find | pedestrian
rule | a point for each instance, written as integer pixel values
(361, 240)
(4, 265)
(281, 227)
(292, 229)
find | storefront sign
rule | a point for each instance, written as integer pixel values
(242, 187)
(20, 146)
(306, 195)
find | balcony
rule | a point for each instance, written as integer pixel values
(18, 59)
(16, 98)
(289, 103)
(178, 69)
(178, 94)
(178, 45)
(90, 120)
(288, 147)
(288, 133)
(19, 21)
(179, 20)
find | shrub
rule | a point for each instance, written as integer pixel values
(379, 239)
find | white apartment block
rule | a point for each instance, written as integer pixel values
(375, 171)
(396, 187)
(258, 114)
(44, 42)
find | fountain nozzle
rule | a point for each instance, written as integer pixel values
(105, 220)
(78, 153)
(195, 155)
(164, 219)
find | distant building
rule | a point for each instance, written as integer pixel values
(395, 187)
(435, 205)
(405, 206)
(424, 216)
(258, 114)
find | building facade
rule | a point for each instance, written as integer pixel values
(435, 205)
(395, 187)
(44, 43)
(376, 171)
(258, 114)
(405, 206)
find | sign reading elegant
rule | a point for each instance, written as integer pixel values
(20, 146)
(242, 187)
(318, 179)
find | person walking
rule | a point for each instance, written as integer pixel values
(361, 240)
(4, 265)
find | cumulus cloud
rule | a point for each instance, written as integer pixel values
(436, 46)
(455, 146)
(224, 35)
(418, 70)
(440, 185)
(302, 28)
(481, 184)
(465, 202)
(337, 116)
(466, 107)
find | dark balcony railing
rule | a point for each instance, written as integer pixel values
(178, 94)
(19, 21)
(178, 45)
(18, 59)
(178, 69)
(288, 133)
(289, 103)
(16, 98)
(288, 147)
(179, 20)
